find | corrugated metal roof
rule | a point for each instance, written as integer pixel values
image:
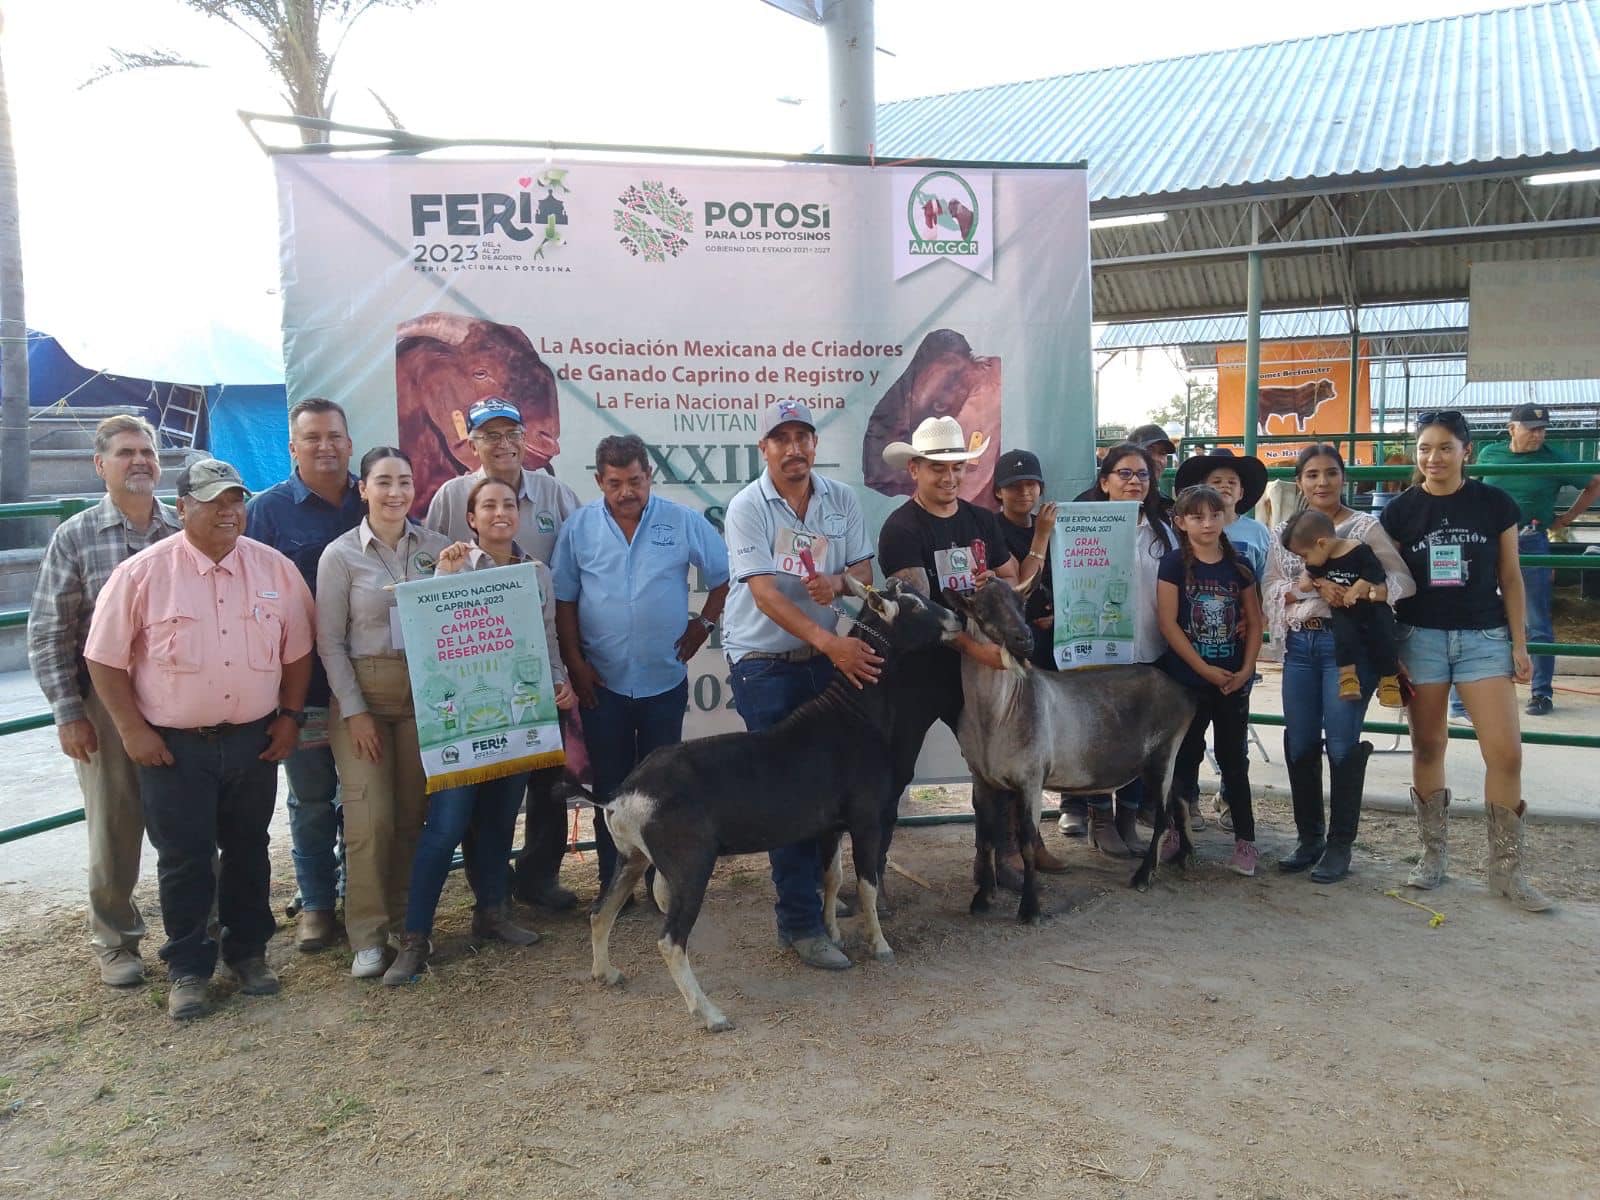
(1512, 85)
(1394, 320)
(1443, 384)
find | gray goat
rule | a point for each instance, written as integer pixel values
(1077, 732)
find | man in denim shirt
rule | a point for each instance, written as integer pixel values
(298, 518)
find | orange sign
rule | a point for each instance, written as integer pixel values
(1305, 388)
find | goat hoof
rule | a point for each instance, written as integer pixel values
(1140, 882)
(886, 957)
(610, 977)
(979, 906)
(719, 1025)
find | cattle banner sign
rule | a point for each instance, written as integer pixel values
(675, 299)
(1305, 388)
(1092, 550)
(480, 675)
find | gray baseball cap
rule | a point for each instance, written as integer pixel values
(781, 412)
(209, 478)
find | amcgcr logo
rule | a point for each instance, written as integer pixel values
(942, 211)
(654, 220)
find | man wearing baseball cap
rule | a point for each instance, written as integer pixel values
(1536, 499)
(201, 647)
(496, 430)
(1160, 447)
(792, 537)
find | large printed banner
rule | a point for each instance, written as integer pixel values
(675, 300)
(480, 675)
(1305, 388)
(1095, 592)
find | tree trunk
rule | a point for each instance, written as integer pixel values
(13, 328)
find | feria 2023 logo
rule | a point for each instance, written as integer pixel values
(654, 221)
(943, 212)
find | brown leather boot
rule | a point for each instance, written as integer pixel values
(1043, 860)
(1103, 835)
(316, 930)
(493, 925)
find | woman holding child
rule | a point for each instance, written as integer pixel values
(1299, 614)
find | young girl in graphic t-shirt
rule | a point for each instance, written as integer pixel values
(1210, 614)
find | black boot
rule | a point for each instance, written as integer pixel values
(1346, 782)
(536, 871)
(1305, 791)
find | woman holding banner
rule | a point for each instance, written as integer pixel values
(1128, 472)
(372, 726)
(1313, 715)
(487, 809)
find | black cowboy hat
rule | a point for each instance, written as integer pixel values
(1251, 471)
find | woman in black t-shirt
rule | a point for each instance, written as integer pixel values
(1463, 627)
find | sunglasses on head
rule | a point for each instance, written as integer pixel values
(1450, 418)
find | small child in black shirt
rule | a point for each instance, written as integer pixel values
(1364, 624)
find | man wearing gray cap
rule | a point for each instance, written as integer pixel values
(1159, 446)
(201, 647)
(1536, 499)
(792, 536)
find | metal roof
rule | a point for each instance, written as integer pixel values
(1515, 85)
(1443, 384)
(1393, 321)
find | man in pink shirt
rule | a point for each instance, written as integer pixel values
(200, 647)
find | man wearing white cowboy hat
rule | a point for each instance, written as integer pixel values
(934, 541)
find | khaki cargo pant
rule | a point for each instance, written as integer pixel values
(114, 817)
(384, 804)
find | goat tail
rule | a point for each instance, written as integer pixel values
(576, 791)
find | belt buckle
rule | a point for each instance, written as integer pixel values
(207, 731)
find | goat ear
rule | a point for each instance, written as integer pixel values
(855, 587)
(886, 608)
(957, 602)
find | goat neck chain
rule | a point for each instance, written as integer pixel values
(860, 624)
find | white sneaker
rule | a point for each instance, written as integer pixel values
(1461, 719)
(368, 963)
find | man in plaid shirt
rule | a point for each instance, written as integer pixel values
(82, 553)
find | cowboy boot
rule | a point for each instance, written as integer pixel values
(1074, 816)
(1103, 835)
(1305, 795)
(1347, 779)
(1505, 859)
(1431, 825)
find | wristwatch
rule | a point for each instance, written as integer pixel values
(297, 715)
(706, 622)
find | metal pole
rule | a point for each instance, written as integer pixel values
(1252, 349)
(1355, 374)
(1188, 411)
(13, 328)
(852, 117)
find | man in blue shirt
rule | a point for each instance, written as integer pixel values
(298, 518)
(621, 574)
(792, 536)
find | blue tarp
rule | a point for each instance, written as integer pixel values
(250, 429)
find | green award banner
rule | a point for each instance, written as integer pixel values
(1092, 549)
(480, 675)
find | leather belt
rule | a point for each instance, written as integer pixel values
(1311, 625)
(212, 733)
(803, 654)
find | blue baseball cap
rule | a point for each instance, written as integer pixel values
(781, 412)
(488, 409)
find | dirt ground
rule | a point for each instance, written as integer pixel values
(1216, 1036)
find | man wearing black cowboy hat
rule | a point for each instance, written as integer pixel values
(1240, 480)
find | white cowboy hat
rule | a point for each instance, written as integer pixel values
(939, 439)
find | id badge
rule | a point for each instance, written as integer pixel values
(314, 732)
(1446, 567)
(396, 639)
(786, 548)
(955, 568)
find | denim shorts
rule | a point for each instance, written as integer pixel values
(1454, 655)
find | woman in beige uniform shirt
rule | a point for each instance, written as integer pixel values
(371, 724)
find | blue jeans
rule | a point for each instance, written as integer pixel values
(765, 691)
(490, 809)
(314, 826)
(1538, 583)
(1311, 704)
(620, 731)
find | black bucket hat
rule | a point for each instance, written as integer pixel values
(1251, 471)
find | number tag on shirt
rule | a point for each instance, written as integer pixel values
(956, 568)
(786, 547)
(396, 639)
(1446, 567)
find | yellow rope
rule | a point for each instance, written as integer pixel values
(1437, 918)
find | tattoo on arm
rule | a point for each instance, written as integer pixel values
(913, 577)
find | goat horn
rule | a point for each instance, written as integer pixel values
(446, 327)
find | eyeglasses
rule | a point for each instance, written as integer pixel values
(1452, 419)
(512, 437)
(1128, 475)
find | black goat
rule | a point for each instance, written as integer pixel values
(821, 772)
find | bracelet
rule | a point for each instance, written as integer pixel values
(1036, 554)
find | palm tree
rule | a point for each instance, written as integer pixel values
(13, 328)
(290, 33)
